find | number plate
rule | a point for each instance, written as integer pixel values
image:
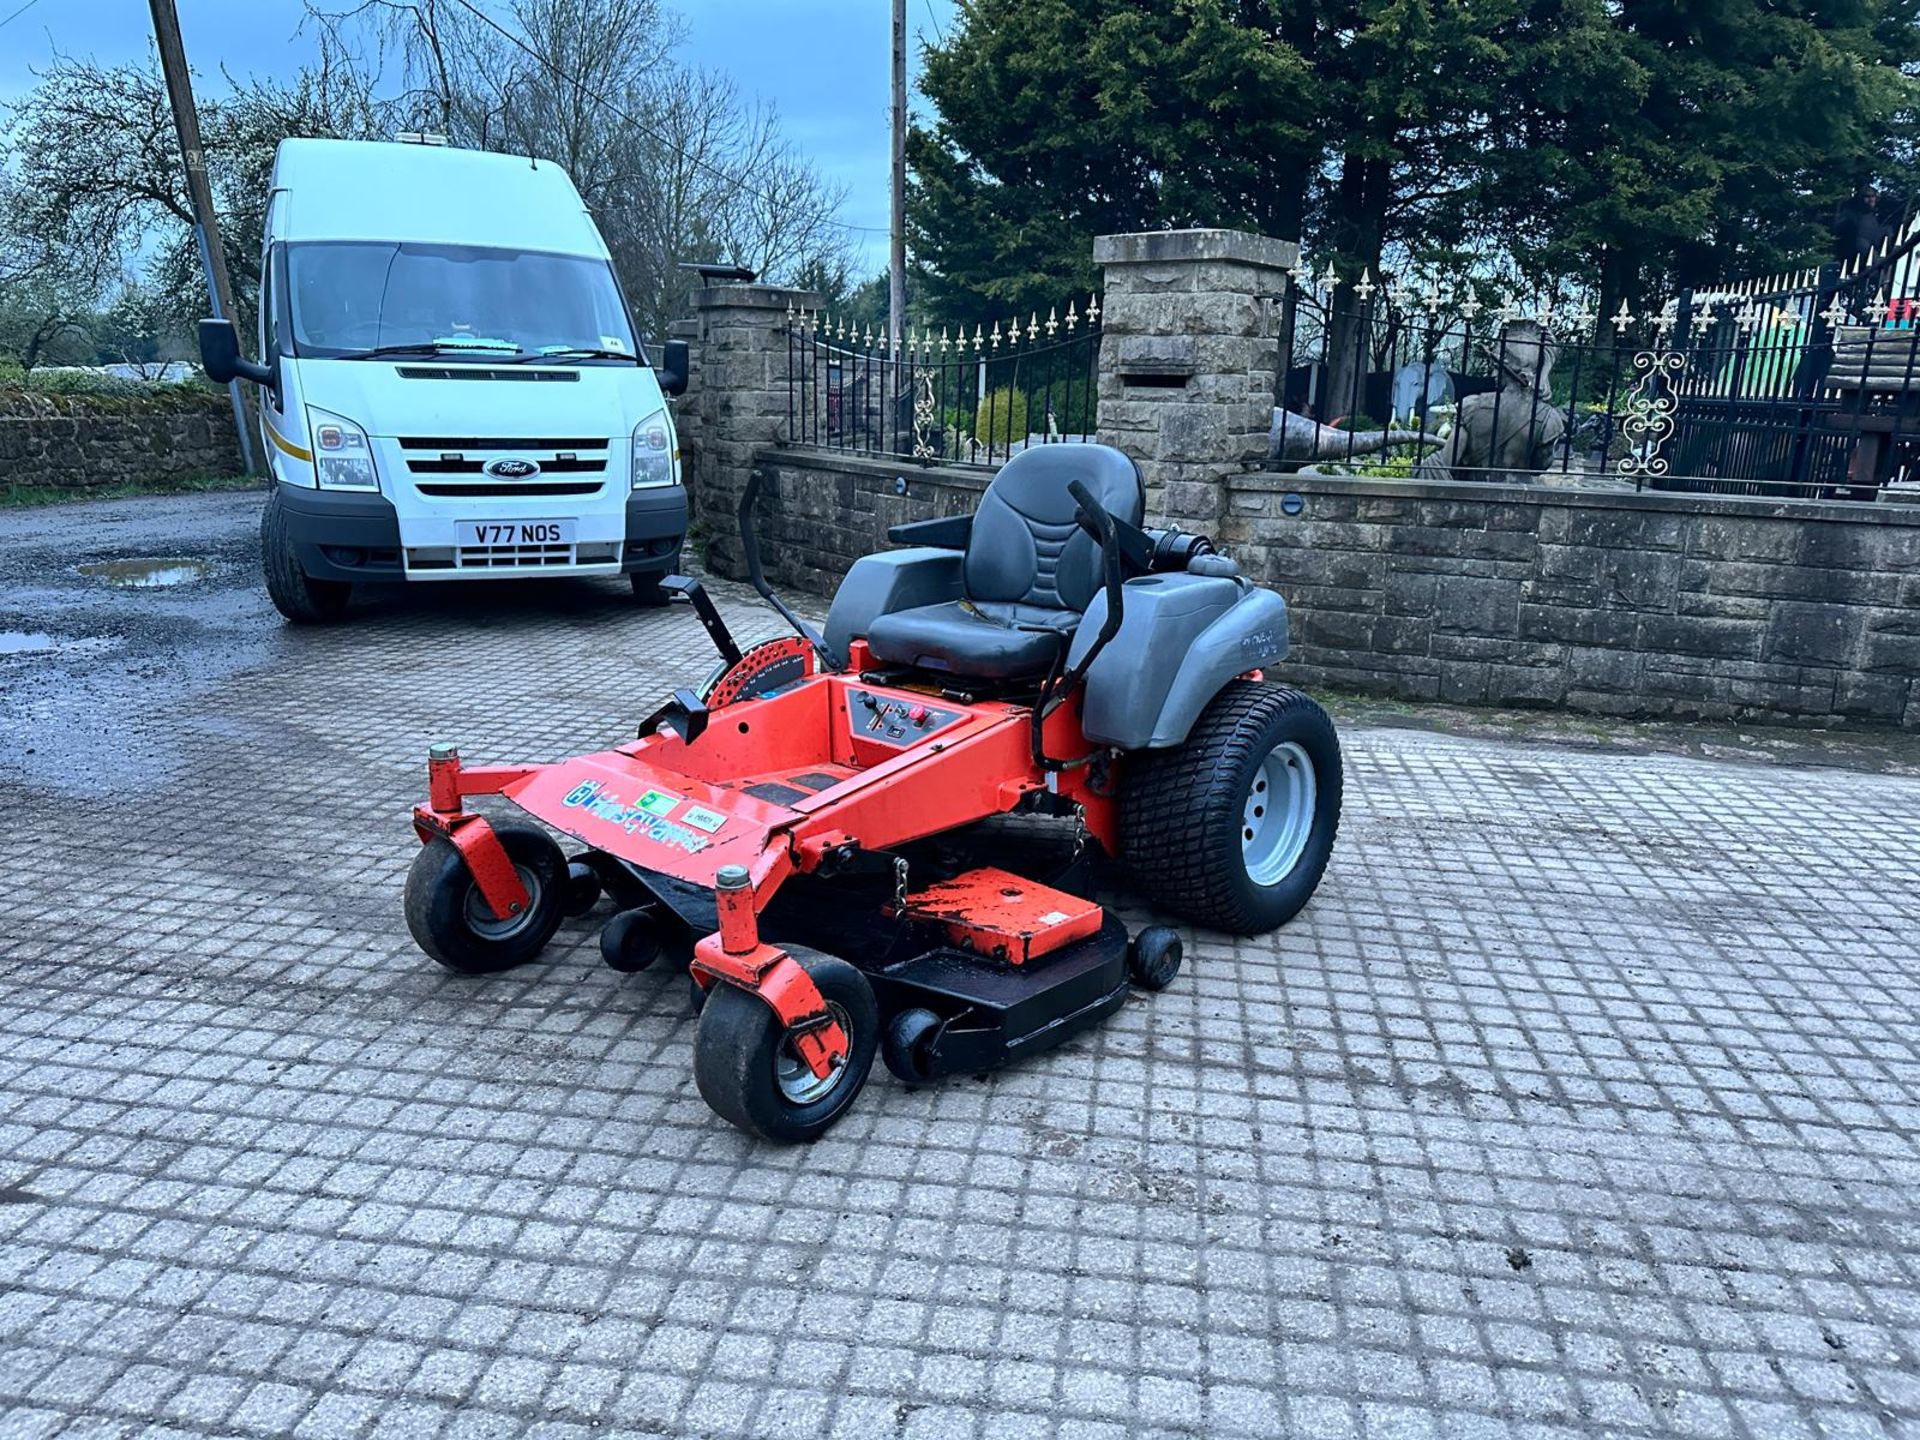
(516, 532)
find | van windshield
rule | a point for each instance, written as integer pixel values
(453, 301)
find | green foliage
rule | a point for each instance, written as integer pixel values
(1000, 418)
(1061, 119)
(21, 496)
(1639, 145)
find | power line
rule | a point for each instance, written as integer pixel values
(18, 13)
(736, 182)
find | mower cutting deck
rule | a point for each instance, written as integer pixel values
(807, 828)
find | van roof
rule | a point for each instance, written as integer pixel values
(427, 194)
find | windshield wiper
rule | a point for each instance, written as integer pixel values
(575, 352)
(429, 347)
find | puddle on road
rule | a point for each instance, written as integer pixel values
(17, 642)
(152, 572)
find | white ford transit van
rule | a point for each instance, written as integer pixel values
(450, 383)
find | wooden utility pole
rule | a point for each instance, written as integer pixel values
(897, 269)
(206, 226)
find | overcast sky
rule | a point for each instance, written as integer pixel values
(822, 62)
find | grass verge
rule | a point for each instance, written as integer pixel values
(19, 496)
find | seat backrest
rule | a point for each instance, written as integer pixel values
(1026, 546)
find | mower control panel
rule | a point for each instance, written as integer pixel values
(894, 719)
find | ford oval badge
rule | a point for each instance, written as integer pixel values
(512, 469)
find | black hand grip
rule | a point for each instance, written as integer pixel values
(1092, 515)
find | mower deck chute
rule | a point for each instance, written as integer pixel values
(808, 830)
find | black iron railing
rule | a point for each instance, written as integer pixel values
(957, 397)
(1715, 393)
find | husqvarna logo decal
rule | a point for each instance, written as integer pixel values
(513, 469)
(645, 816)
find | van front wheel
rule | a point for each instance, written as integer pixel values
(295, 594)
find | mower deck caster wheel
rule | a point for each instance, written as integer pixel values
(748, 1071)
(583, 887)
(452, 921)
(1154, 957)
(630, 942)
(907, 1045)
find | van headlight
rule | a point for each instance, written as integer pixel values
(654, 462)
(341, 454)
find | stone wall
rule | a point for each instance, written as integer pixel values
(823, 510)
(1615, 603)
(1187, 357)
(1618, 604)
(1622, 604)
(81, 442)
(735, 405)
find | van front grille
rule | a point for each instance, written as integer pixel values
(467, 442)
(549, 465)
(468, 457)
(493, 489)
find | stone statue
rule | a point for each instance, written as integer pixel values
(1506, 436)
(1296, 440)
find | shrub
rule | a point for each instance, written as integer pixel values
(1000, 419)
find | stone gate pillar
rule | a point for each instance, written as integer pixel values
(739, 402)
(1187, 359)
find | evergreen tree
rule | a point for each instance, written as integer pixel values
(1638, 142)
(1062, 119)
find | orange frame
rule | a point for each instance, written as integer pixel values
(682, 808)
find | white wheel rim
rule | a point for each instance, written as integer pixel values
(1277, 816)
(795, 1077)
(480, 917)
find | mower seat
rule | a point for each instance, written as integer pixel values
(1029, 573)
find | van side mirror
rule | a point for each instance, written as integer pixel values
(220, 356)
(676, 368)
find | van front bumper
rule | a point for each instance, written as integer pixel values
(355, 536)
(343, 534)
(656, 527)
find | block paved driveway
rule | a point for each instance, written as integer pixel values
(1582, 1101)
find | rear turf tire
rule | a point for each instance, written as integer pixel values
(1188, 822)
(740, 1055)
(295, 594)
(452, 923)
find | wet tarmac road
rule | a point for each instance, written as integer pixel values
(114, 615)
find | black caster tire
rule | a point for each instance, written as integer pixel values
(298, 597)
(1153, 960)
(647, 593)
(583, 888)
(450, 919)
(907, 1045)
(1233, 828)
(751, 1077)
(696, 997)
(630, 942)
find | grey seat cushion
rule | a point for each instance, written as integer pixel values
(976, 642)
(1028, 564)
